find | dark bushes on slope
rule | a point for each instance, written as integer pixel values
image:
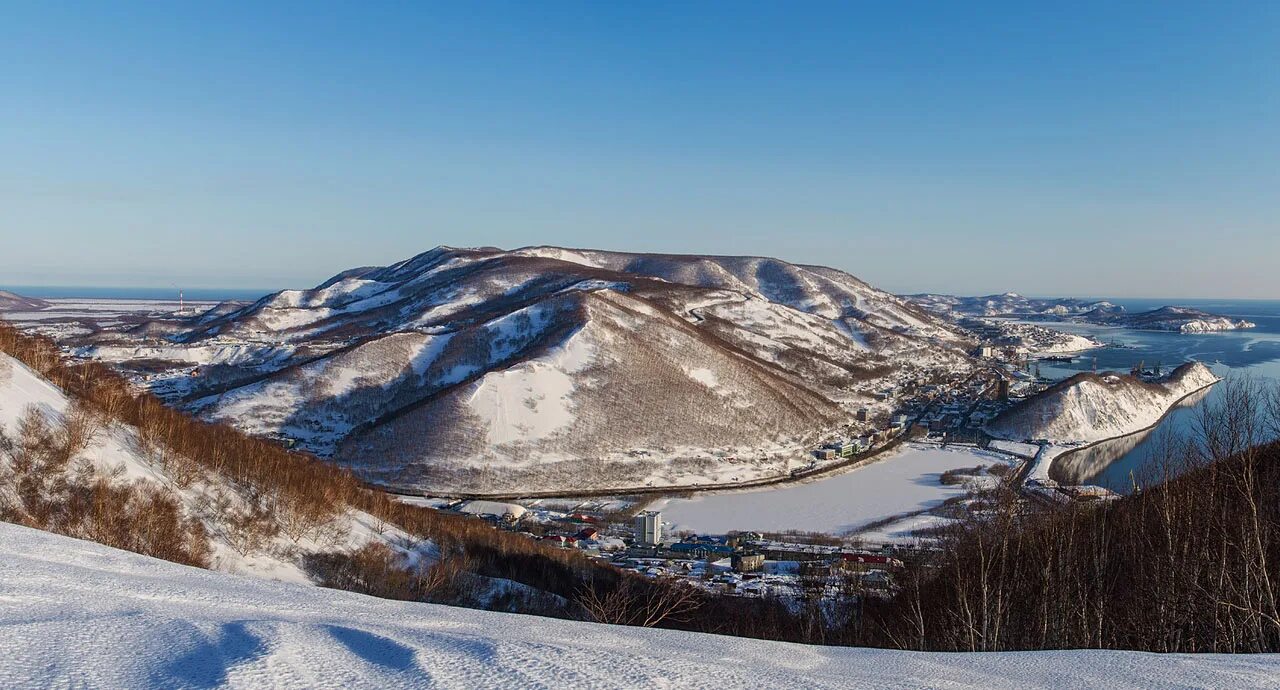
(79, 503)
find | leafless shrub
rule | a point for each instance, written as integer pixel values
(248, 530)
(633, 601)
(378, 570)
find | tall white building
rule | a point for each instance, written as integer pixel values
(649, 527)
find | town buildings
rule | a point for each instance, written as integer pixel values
(649, 527)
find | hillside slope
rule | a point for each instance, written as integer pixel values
(1092, 407)
(74, 613)
(544, 368)
(116, 455)
(11, 301)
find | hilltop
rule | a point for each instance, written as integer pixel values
(12, 301)
(546, 368)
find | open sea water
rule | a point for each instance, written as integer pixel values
(1251, 353)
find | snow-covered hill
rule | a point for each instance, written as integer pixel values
(1092, 407)
(11, 301)
(546, 368)
(116, 454)
(77, 614)
(1027, 338)
(1006, 304)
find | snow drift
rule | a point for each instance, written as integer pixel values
(77, 614)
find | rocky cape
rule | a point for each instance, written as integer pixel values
(1092, 407)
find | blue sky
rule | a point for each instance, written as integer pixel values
(1089, 149)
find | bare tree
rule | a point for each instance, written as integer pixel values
(642, 603)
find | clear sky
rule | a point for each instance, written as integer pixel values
(1071, 148)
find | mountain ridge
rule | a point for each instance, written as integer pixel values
(757, 358)
(12, 301)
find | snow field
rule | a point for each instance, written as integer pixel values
(77, 614)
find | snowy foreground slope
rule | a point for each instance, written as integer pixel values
(545, 368)
(78, 614)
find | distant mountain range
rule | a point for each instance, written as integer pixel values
(1010, 304)
(546, 368)
(1181, 319)
(1007, 304)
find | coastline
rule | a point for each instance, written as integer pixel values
(838, 467)
(1051, 460)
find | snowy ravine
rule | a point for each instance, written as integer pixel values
(77, 614)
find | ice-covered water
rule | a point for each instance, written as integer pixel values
(905, 482)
